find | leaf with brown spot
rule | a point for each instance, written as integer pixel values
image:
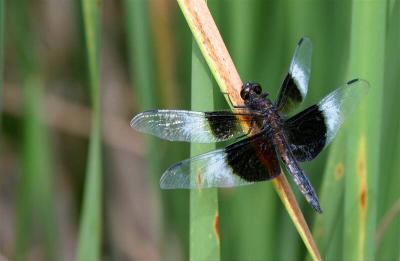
(216, 226)
(204, 241)
(362, 175)
(363, 167)
(327, 230)
(339, 171)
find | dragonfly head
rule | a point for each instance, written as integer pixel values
(249, 89)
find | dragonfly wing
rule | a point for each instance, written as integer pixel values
(244, 162)
(294, 88)
(192, 126)
(311, 130)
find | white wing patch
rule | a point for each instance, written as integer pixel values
(203, 171)
(300, 67)
(340, 103)
(300, 78)
(330, 107)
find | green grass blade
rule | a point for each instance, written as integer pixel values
(327, 228)
(89, 242)
(388, 230)
(140, 52)
(37, 194)
(363, 154)
(387, 235)
(204, 216)
(35, 211)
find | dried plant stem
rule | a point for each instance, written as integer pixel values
(218, 59)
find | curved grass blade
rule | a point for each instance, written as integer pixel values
(89, 242)
(204, 216)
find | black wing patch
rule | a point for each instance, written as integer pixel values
(306, 133)
(311, 130)
(242, 163)
(294, 88)
(289, 95)
(224, 124)
(253, 159)
(192, 126)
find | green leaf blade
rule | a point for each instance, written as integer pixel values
(35, 208)
(362, 159)
(90, 230)
(204, 215)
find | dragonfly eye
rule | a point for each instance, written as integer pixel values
(257, 88)
(244, 93)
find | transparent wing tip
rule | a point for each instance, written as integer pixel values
(164, 181)
(135, 120)
(139, 119)
(358, 81)
(352, 81)
(172, 178)
(304, 40)
(359, 86)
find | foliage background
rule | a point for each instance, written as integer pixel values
(144, 62)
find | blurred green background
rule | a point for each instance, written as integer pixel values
(76, 183)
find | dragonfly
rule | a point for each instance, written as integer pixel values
(266, 133)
